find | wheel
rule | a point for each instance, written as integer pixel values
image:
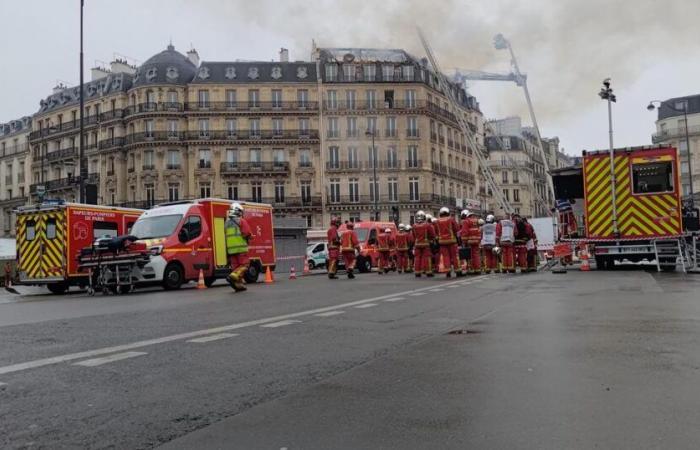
(600, 262)
(58, 288)
(667, 264)
(173, 277)
(252, 274)
(209, 281)
(312, 264)
(364, 265)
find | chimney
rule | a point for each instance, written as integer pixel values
(284, 55)
(98, 72)
(60, 87)
(122, 66)
(193, 56)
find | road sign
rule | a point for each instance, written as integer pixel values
(40, 190)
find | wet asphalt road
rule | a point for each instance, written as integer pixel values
(579, 360)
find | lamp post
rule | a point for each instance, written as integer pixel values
(606, 93)
(81, 152)
(372, 132)
(651, 107)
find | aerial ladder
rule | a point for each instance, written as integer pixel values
(520, 79)
(471, 141)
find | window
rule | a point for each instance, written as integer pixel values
(331, 72)
(173, 192)
(350, 99)
(392, 160)
(254, 127)
(203, 127)
(112, 197)
(504, 176)
(407, 73)
(349, 71)
(304, 157)
(232, 156)
(30, 234)
(391, 126)
(354, 190)
(232, 191)
(150, 194)
(231, 127)
(306, 192)
(333, 128)
(352, 127)
(204, 190)
(51, 228)
(370, 72)
(302, 98)
(204, 158)
(110, 165)
(334, 186)
(277, 127)
(172, 128)
(506, 143)
(277, 98)
(255, 156)
(149, 128)
(374, 190)
(371, 156)
(516, 195)
(333, 157)
(515, 177)
(412, 156)
(172, 99)
(354, 217)
(203, 98)
(173, 159)
(413, 189)
(332, 100)
(652, 177)
(387, 72)
(353, 161)
(412, 127)
(193, 225)
(303, 127)
(104, 229)
(410, 98)
(393, 190)
(372, 124)
(279, 191)
(371, 96)
(506, 194)
(256, 191)
(278, 156)
(253, 98)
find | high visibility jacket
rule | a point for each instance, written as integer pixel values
(383, 242)
(488, 235)
(424, 234)
(402, 241)
(348, 241)
(505, 231)
(236, 236)
(447, 230)
(470, 232)
(333, 237)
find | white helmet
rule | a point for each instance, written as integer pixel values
(402, 227)
(444, 211)
(481, 221)
(496, 251)
(236, 209)
(434, 220)
(429, 217)
(490, 218)
(409, 227)
(420, 216)
(387, 230)
(464, 214)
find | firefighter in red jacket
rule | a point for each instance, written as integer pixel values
(384, 245)
(530, 246)
(333, 247)
(471, 236)
(434, 246)
(464, 252)
(520, 242)
(237, 233)
(348, 246)
(411, 259)
(505, 236)
(488, 244)
(402, 243)
(447, 238)
(424, 235)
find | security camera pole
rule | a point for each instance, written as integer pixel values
(606, 93)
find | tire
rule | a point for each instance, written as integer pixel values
(252, 274)
(209, 281)
(364, 265)
(602, 263)
(57, 288)
(173, 277)
(312, 264)
(667, 265)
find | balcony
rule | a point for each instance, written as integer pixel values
(413, 133)
(145, 108)
(147, 167)
(293, 202)
(64, 127)
(413, 164)
(14, 149)
(247, 107)
(154, 136)
(343, 165)
(57, 155)
(173, 166)
(110, 143)
(251, 135)
(439, 168)
(674, 133)
(253, 168)
(65, 183)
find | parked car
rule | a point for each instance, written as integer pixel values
(316, 255)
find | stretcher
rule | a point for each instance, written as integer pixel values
(113, 264)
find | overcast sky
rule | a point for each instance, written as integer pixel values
(650, 48)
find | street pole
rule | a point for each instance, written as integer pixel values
(687, 149)
(374, 167)
(81, 151)
(606, 93)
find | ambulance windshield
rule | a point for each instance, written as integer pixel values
(156, 226)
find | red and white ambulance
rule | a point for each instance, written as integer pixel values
(187, 236)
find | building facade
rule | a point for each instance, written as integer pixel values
(671, 130)
(15, 162)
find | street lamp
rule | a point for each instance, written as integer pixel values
(651, 107)
(82, 170)
(373, 132)
(606, 93)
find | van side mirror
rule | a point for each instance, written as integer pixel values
(183, 236)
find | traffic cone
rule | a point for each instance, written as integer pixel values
(292, 274)
(200, 281)
(441, 265)
(585, 265)
(306, 267)
(268, 275)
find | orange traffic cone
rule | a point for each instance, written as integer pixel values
(292, 274)
(268, 275)
(200, 281)
(441, 265)
(585, 264)
(306, 267)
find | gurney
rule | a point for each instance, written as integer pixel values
(113, 264)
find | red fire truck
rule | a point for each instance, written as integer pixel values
(51, 235)
(367, 233)
(187, 236)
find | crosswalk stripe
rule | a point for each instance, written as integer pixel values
(329, 313)
(280, 324)
(213, 337)
(108, 359)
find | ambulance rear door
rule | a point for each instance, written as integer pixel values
(41, 243)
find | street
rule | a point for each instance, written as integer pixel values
(577, 360)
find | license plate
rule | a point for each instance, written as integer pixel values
(633, 250)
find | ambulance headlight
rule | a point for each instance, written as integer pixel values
(156, 250)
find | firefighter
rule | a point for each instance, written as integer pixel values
(424, 235)
(520, 242)
(434, 246)
(333, 247)
(402, 240)
(384, 244)
(471, 232)
(348, 246)
(568, 227)
(464, 250)
(505, 236)
(531, 246)
(488, 243)
(409, 232)
(447, 239)
(238, 234)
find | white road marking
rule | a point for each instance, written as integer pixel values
(453, 286)
(395, 299)
(437, 290)
(329, 313)
(281, 323)
(366, 305)
(3, 384)
(192, 334)
(213, 337)
(108, 359)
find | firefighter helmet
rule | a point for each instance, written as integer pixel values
(409, 227)
(481, 221)
(490, 218)
(402, 227)
(236, 210)
(464, 214)
(420, 216)
(496, 251)
(444, 211)
(387, 230)
(429, 217)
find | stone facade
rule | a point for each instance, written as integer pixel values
(15, 162)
